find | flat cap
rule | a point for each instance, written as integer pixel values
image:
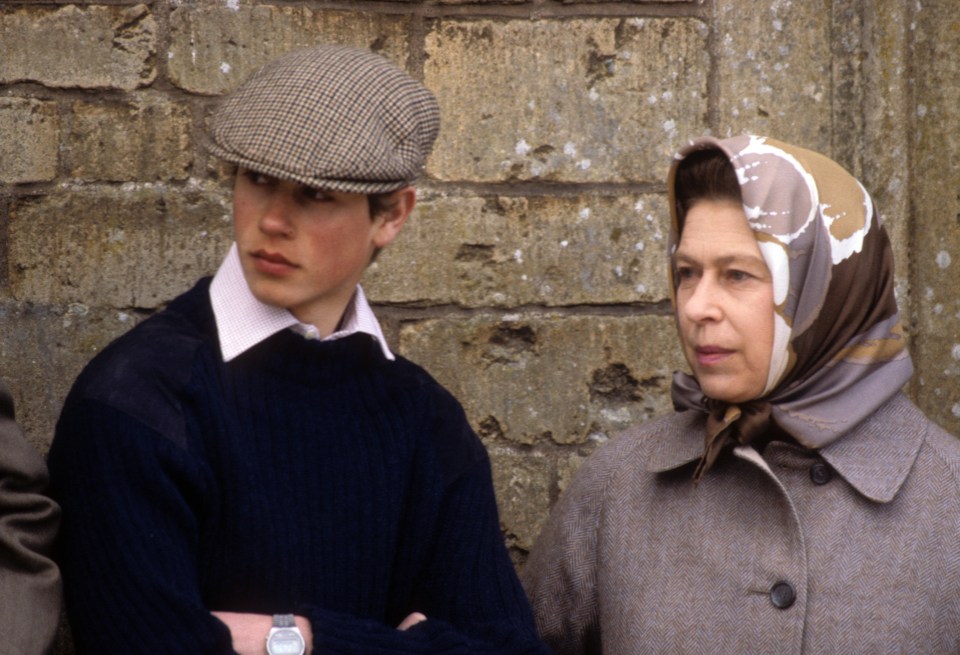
(333, 117)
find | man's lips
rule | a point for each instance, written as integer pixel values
(272, 263)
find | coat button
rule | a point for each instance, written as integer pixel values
(782, 595)
(820, 473)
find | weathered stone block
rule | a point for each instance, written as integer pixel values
(774, 68)
(579, 100)
(522, 484)
(507, 252)
(136, 246)
(478, 2)
(637, 2)
(146, 138)
(886, 98)
(214, 49)
(29, 138)
(44, 354)
(85, 47)
(547, 377)
(936, 242)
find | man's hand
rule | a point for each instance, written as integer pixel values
(411, 620)
(249, 631)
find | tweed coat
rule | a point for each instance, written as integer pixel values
(854, 548)
(29, 579)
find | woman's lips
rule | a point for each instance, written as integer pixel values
(272, 263)
(707, 355)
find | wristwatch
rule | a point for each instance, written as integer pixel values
(284, 637)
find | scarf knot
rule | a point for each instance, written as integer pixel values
(731, 424)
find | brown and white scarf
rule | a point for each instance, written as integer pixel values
(839, 350)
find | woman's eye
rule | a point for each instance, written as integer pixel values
(738, 276)
(684, 273)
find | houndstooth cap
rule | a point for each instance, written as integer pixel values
(332, 117)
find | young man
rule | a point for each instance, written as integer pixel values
(253, 462)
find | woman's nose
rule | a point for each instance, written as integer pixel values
(703, 301)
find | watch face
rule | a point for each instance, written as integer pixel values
(285, 642)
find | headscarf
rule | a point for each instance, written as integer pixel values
(838, 348)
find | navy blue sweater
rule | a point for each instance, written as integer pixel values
(315, 478)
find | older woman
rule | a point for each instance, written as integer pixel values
(797, 501)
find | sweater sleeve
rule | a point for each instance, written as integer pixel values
(29, 579)
(560, 576)
(455, 554)
(131, 500)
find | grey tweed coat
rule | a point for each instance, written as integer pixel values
(29, 579)
(852, 549)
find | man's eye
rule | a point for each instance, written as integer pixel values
(318, 195)
(684, 273)
(257, 178)
(738, 276)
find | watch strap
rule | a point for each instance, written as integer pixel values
(284, 621)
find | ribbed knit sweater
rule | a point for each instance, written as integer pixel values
(315, 478)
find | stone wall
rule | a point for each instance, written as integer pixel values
(531, 279)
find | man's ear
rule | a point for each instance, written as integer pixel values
(391, 220)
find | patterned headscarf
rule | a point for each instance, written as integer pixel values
(838, 349)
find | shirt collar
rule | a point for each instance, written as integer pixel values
(243, 321)
(875, 457)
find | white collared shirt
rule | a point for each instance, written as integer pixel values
(243, 321)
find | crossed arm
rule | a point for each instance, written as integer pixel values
(134, 572)
(249, 631)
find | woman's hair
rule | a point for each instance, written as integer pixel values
(705, 175)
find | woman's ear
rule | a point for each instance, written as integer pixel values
(392, 219)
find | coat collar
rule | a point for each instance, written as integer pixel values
(874, 458)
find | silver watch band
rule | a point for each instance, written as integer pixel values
(284, 621)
